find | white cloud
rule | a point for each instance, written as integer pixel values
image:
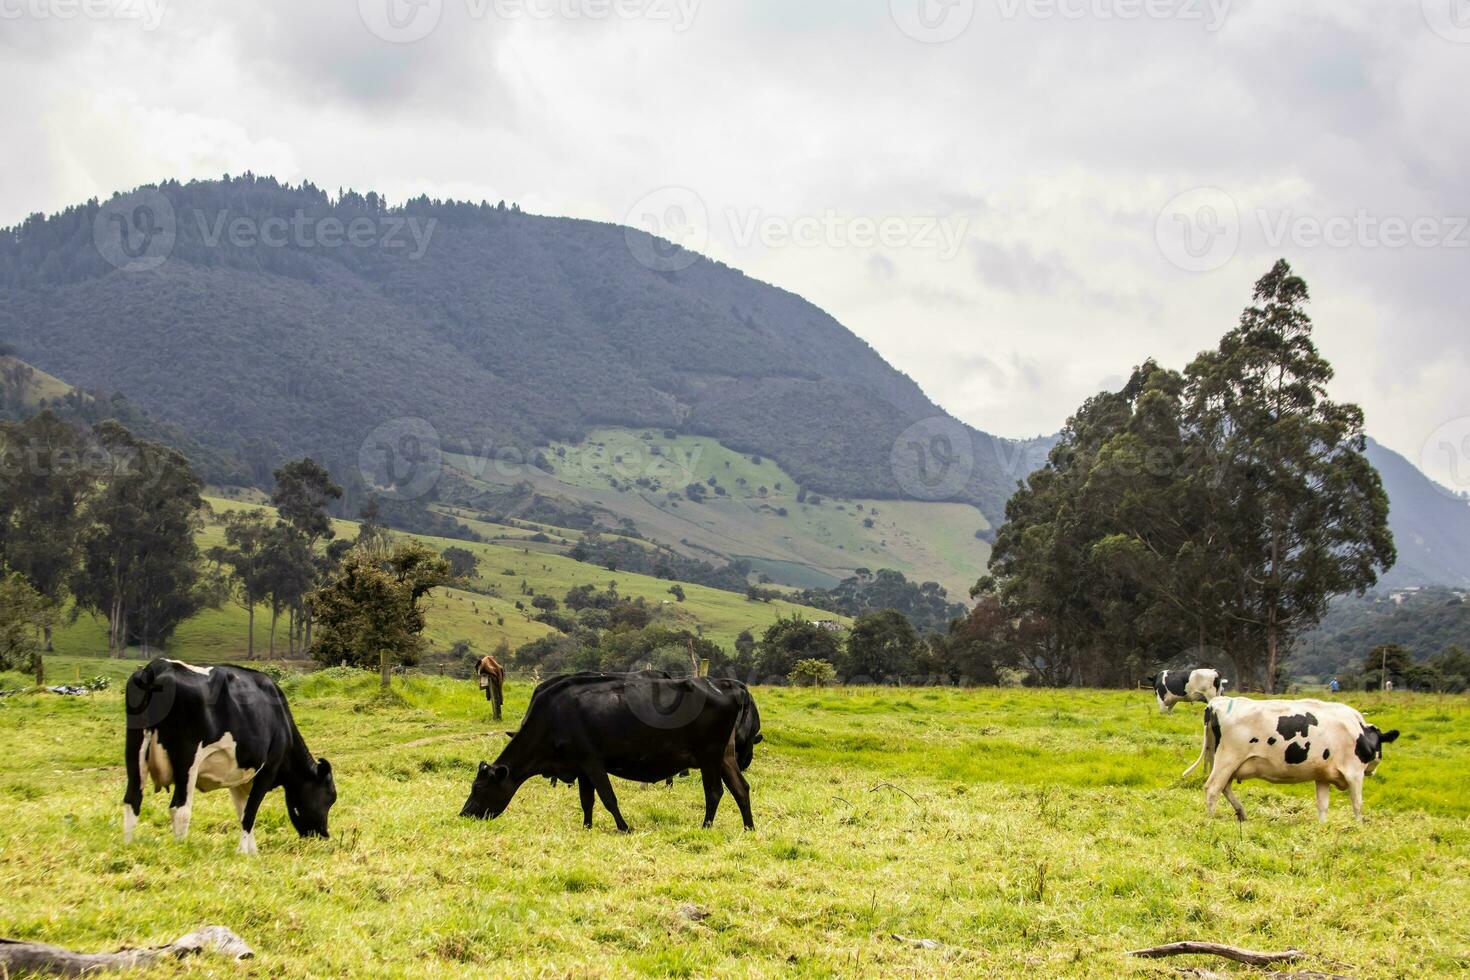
(1055, 141)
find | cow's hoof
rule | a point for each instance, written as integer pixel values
(708, 824)
(625, 829)
(1240, 818)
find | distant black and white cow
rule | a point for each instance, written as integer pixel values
(584, 728)
(1190, 684)
(1289, 742)
(207, 728)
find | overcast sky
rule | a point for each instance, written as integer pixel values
(1014, 201)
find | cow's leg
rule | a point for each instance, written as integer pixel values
(1234, 802)
(713, 791)
(240, 796)
(1324, 797)
(186, 772)
(735, 782)
(135, 745)
(249, 808)
(603, 785)
(1219, 782)
(584, 787)
(1355, 793)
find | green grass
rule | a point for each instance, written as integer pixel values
(1032, 833)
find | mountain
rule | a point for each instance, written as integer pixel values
(1431, 526)
(269, 337)
(1425, 621)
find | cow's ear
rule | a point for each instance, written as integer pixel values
(1389, 736)
(323, 768)
(484, 767)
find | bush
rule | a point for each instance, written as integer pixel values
(818, 672)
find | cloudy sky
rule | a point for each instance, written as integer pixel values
(1014, 201)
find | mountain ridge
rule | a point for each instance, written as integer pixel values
(509, 330)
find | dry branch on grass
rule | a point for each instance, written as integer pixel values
(18, 956)
(896, 789)
(1249, 956)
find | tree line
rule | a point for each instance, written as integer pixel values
(109, 521)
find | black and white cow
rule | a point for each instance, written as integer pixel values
(206, 728)
(1190, 684)
(1306, 741)
(584, 728)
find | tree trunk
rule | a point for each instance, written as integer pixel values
(250, 633)
(1274, 598)
(1271, 641)
(46, 638)
(275, 615)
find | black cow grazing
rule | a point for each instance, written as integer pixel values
(587, 727)
(207, 728)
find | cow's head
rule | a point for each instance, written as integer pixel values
(491, 792)
(307, 803)
(1369, 747)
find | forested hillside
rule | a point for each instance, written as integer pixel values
(499, 328)
(1425, 622)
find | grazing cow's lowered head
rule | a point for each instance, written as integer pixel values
(490, 794)
(308, 801)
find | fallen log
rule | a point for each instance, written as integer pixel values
(1248, 956)
(17, 956)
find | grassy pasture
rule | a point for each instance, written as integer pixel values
(1032, 833)
(485, 617)
(810, 545)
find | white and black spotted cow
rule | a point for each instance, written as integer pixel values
(207, 728)
(1190, 684)
(1305, 741)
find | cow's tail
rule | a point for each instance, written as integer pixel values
(135, 701)
(1207, 749)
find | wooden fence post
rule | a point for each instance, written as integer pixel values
(387, 671)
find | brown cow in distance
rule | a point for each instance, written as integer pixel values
(492, 682)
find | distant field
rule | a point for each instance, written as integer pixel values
(811, 544)
(1031, 833)
(219, 635)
